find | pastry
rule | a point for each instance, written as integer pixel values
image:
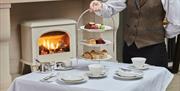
(104, 51)
(100, 41)
(91, 25)
(87, 55)
(96, 54)
(100, 26)
(93, 51)
(91, 41)
(94, 41)
(103, 55)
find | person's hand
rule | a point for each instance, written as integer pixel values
(95, 6)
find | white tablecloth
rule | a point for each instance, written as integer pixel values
(155, 79)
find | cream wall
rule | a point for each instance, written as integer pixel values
(5, 77)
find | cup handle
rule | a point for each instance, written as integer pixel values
(61, 64)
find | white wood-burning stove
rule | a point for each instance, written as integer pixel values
(48, 40)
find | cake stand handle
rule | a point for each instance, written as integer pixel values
(80, 17)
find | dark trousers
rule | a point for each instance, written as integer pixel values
(155, 54)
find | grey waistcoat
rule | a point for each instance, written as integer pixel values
(143, 23)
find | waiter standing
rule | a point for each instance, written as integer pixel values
(143, 31)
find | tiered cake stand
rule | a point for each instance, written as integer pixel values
(92, 46)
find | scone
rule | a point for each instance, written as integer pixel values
(93, 54)
(93, 51)
(103, 56)
(104, 53)
(87, 55)
(91, 41)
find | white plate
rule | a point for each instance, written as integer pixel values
(107, 28)
(129, 74)
(89, 74)
(127, 78)
(74, 82)
(145, 67)
(73, 79)
(108, 58)
(107, 42)
(63, 68)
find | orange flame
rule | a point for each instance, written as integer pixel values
(53, 44)
(50, 42)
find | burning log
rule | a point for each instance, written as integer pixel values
(43, 50)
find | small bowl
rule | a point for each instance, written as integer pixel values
(96, 69)
(138, 62)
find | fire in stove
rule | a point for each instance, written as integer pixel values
(54, 42)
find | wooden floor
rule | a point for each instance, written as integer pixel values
(175, 84)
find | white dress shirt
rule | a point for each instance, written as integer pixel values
(172, 8)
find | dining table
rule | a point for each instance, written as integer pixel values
(154, 79)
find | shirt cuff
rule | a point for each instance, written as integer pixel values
(104, 11)
(172, 30)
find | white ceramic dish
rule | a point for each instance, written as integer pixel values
(73, 79)
(144, 67)
(107, 28)
(102, 75)
(138, 62)
(74, 82)
(63, 68)
(96, 68)
(127, 78)
(95, 45)
(129, 74)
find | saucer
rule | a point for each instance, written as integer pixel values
(144, 67)
(63, 68)
(72, 79)
(102, 75)
(128, 75)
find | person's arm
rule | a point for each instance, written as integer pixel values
(109, 8)
(173, 16)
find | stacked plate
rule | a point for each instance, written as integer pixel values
(144, 67)
(63, 68)
(72, 78)
(102, 75)
(128, 74)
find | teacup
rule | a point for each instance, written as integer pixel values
(96, 69)
(65, 64)
(138, 62)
